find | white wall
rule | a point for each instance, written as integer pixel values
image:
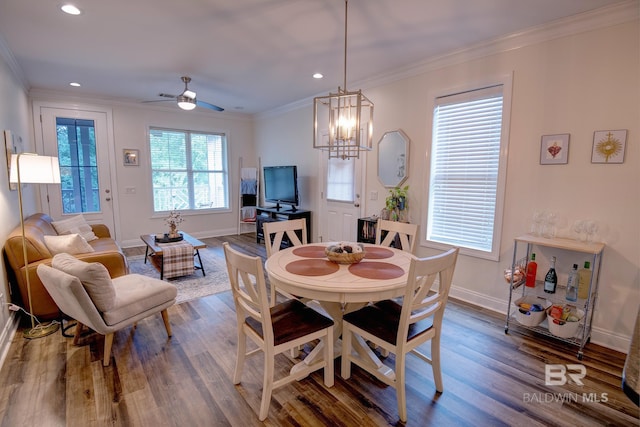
(14, 116)
(575, 84)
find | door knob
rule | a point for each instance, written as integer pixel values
(108, 199)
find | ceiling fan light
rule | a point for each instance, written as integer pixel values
(189, 94)
(186, 103)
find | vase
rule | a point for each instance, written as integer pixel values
(173, 231)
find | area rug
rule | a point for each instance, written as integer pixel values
(189, 287)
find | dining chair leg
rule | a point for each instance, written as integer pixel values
(108, 342)
(401, 392)
(165, 319)
(267, 384)
(435, 363)
(240, 356)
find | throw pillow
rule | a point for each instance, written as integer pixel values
(75, 224)
(69, 243)
(94, 277)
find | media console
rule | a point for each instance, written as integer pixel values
(272, 214)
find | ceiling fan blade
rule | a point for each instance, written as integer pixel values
(207, 105)
(156, 100)
(167, 95)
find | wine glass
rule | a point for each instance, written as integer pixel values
(579, 228)
(591, 228)
(549, 229)
(536, 223)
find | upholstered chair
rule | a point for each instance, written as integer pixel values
(85, 292)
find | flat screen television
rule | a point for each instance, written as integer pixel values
(281, 185)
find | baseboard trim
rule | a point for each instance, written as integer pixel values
(7, 334)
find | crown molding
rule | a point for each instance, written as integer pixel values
(15, 68)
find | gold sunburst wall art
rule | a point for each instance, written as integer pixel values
(609, 146)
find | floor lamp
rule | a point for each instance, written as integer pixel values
(30, 168)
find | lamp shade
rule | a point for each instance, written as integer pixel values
(34, 169)
(186, 103)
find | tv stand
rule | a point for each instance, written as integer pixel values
(275, 213)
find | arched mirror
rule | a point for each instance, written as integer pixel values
(393, 158)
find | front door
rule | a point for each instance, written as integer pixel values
(341, 201)
(80, 141)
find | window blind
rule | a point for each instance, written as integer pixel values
(464, 168)
(189, 170)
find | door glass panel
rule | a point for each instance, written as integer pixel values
(340, 180)
(78, 165)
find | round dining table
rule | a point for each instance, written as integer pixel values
(305, 271)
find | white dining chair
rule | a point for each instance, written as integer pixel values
(274, 233)
(405, 232)
(274, 329)
(401, 328)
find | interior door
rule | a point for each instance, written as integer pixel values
(341, 198)
(80, 141)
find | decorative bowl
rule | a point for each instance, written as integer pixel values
(338, 254)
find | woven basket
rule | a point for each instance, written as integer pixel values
(344, 257)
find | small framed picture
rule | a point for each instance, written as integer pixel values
(131, 157)
(554, 149)
(12, 146)
(609, 146)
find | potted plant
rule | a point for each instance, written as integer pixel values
(396, 201)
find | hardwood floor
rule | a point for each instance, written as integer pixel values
(490, 378)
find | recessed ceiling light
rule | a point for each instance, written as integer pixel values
(70, 9)
(318, 76)
(74, 84)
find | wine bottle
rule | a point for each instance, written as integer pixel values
(572, 284)
(584, 282)
(532, 269)
(551, 279)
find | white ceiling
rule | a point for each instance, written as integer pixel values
(253, 54)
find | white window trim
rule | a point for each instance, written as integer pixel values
(507, 81)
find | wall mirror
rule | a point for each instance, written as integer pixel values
(393, 158)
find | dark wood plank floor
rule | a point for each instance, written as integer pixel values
(490, 378)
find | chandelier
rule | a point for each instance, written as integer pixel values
(343, 121)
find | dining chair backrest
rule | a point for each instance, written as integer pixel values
(405, 232)
(249, 289)
(418, 302)
(274, 233)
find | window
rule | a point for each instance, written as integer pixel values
(466, 185)
(340, 177)
(189, 170)
(78, 165)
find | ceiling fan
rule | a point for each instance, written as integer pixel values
(187, 99)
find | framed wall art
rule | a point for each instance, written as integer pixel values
(131, 157)
(554, 149)
(12, 145)
(609, 146)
